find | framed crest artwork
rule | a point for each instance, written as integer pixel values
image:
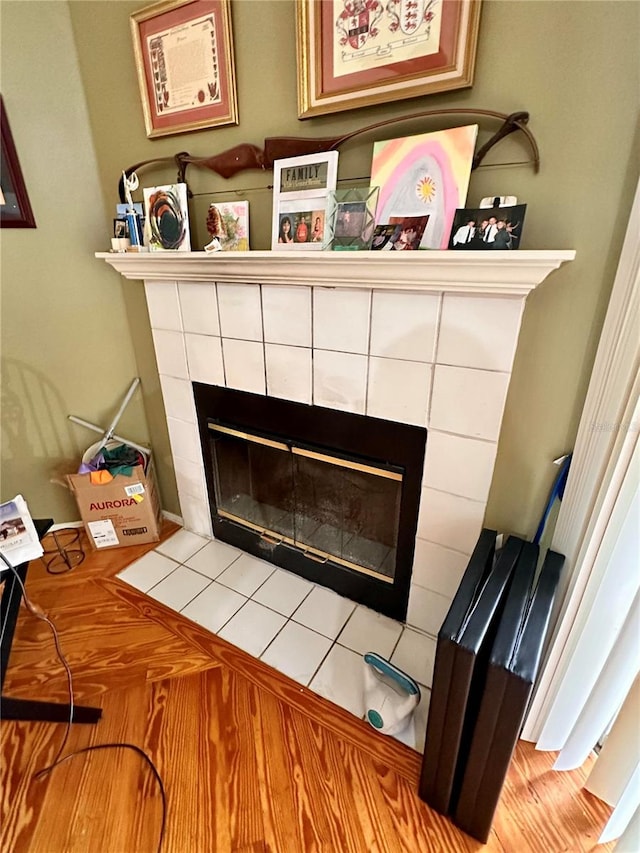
(184, 58)
(355, 53)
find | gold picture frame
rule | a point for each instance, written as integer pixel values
(179, 94)
(382, 51)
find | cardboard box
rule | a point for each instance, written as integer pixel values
(125, 511)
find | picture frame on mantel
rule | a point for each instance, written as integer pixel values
(301, 187)
(15, 208)
(185, 63)
(373, 52)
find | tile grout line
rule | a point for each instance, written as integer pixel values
(157, 583)
(333, 642)
(194, 597)
(290, 618)
(319, 667)
(264, 342)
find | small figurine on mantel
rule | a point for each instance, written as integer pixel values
(216, 229)
(134, 224)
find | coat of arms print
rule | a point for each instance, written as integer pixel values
(371, 33)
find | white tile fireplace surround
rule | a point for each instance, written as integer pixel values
(424, 338)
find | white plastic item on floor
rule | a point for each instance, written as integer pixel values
(390, 695)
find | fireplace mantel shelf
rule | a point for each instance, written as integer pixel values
(488, 273)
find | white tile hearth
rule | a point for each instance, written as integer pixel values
(284, 620)
(246, 574)
(214, 607)
(324, 611)
(182, 545)
(340, 680)
(368, 631)
(416, 654)
(179, 588)
(149, 570)
(213, 559)
(253, 628)
(297, 652)
(283, 592)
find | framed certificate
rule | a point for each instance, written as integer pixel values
(184, 58)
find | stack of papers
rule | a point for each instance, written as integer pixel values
(18, 537)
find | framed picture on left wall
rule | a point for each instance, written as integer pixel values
(15, 208)
(184, 58)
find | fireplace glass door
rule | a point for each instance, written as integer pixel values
(331, 508)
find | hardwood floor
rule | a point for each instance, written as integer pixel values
(251, 761)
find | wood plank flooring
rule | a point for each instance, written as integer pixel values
(251, 761)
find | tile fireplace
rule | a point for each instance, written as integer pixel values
(329, 495)
(426, 340)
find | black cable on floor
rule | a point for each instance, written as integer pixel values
(40, 774)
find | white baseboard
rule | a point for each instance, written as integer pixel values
(170, 516)
(65, 524)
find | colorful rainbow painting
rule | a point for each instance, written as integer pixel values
(424, 175)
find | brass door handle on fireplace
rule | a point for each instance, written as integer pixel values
(315, 558)
(270, 539)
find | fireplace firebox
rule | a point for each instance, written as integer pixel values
(329, 495)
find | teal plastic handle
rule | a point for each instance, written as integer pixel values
(387, 668)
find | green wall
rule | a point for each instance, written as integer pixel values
(66, 345)
(572, 65)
